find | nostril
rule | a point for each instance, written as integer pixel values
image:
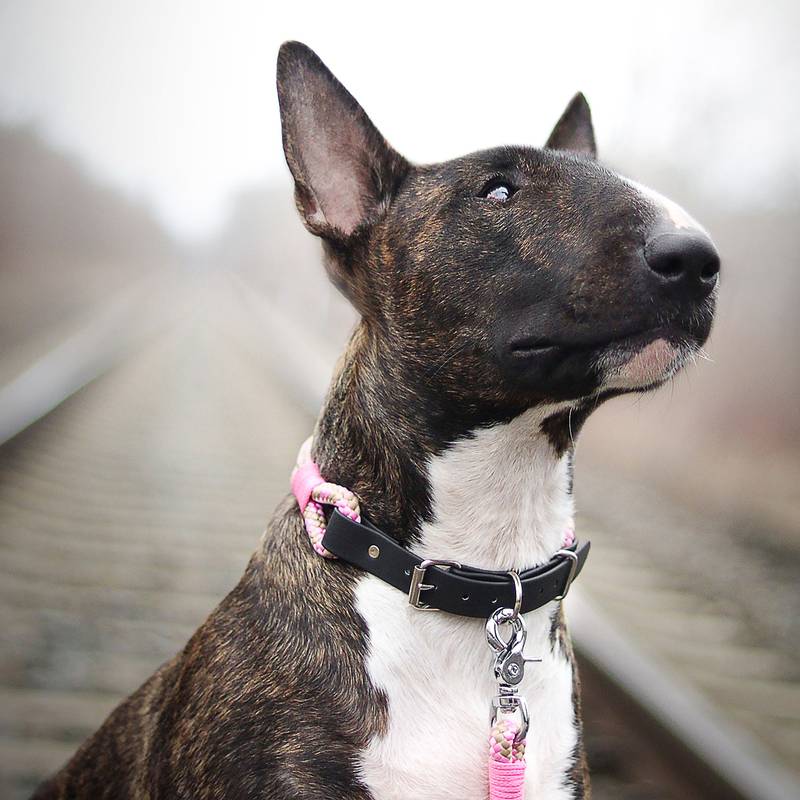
(710, 269)
(664, 259)
(670, 266)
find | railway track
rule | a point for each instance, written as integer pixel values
(128, 511)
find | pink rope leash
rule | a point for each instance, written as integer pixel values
(506, 761)
(313, 491)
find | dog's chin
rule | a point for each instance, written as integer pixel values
(640, 364)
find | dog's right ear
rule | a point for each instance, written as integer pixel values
(345, 173)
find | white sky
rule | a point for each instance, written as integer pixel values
(175, 100)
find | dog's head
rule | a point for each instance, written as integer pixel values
(504, 278)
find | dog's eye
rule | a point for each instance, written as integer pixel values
(498, 192)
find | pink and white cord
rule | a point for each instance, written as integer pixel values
(506, 761)
(313, 491)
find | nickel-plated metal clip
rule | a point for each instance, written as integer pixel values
(510, 659)
(509, 665)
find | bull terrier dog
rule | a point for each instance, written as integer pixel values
(502, 297)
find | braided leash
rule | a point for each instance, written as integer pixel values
(506, 746)
(506, 761)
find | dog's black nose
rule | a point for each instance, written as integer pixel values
(686, 259)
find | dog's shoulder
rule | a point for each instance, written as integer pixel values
(276, 675)
(269, 698)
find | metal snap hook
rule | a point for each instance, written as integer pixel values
(509, 663)
(500, 617)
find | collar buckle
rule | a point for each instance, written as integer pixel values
(418, 575)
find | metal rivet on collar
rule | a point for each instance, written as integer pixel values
(374, 551)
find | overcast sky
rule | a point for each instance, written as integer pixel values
(175, 100)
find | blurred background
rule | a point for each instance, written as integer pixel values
(154, 385)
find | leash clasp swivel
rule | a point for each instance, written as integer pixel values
(507, 701)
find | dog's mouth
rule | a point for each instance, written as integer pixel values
(638, 359)
(537, 347)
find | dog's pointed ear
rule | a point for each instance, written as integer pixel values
(574, 130)
(345, 172)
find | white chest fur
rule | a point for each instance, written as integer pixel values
(500, 501)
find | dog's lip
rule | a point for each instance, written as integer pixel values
(529, 347)
(533, 346)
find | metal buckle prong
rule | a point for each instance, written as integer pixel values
(573, 567)
(418, 575)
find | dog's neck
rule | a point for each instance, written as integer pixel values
(501, 498)
(495, 496)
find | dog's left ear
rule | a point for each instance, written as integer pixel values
(574, 131)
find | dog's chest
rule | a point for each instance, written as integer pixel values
(499, 500)
(436, 673)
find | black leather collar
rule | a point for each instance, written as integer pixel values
(458, 589)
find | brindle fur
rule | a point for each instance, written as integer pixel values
(442, 279)
(283, 653)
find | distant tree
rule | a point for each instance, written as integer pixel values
(49, 203)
